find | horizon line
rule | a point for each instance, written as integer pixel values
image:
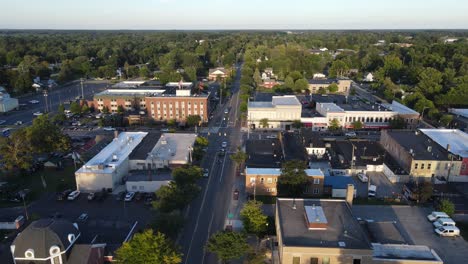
(242, 29)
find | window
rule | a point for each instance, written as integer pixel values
(316, 191)
(269, 180)
(296, 260)
(314, 261)
(422, 166)
(142, 188)
(429, 166)
(415, 166)
(316, 181)
(325, 260)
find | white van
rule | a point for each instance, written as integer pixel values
(444, 222)
(436, 215)
(72, 196)
(447, 231)
(372, 191)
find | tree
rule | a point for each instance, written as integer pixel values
(430, 81)
(301, 85)
(253, 219)
(446, 206)
(293, 178)
(333, 88)
(193, 120)
(446, 120)
(228, 245)
(60, 116)
(75, 108)
(85, 109)
(257, 78)
(334, 125)
(322, 90)
(120, 109)
(171, 122)
(338, 68)
(243, 107)
(148, 247)
(297, 124)
(169, 223)
(201, 141)
(15, 151)
(264, 122)
(45, 137)
(289, 82)
(397, 123)
(357, 125)
(424, 191)
(239, 157)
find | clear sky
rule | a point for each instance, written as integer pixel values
(234, 14)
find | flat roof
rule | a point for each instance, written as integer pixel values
(385, 233)
(263, 171)
(399, 108)
(314, 172)
(260, 105)
(264, 153)
(418, 143)
(365, 152)
(338, 182)
(342, 230)
(457, 140)
(312, 138)
(110, 157)
(285, 100)
(293, 146)
(173, 147)
(459, 111)
(404, 252)
(331, 107)
(145, 147)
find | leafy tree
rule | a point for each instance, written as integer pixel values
(85, 109)
(201, 141)
(239, 157)
(446, 120)
(424, 191)
(75, 108)
(171, 122)
(397, 123)
(148, 247)
(45, 137)
(293, 178)
(253, 219)
(357, 125)
(333, 88)
(334, 125)
(430, 81)
(338, 68)
(289, 82)
(264, 122)
(243, 107)
(322, 90)
(352, 91)
(301, 85)
(193, 120)
(446, 206)
(186, 175)
(105, 110)
(15, 151)
(120, 109)
(60, 116)
(257, 78)
(391, 68)
(169, 223)
(297, 124)
(228, 245)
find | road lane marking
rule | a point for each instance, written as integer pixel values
(222, 168)
(209, 228)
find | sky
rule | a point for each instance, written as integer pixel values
(234, 14)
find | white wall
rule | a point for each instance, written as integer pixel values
(145, 186)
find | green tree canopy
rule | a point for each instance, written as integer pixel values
(357, 125)
(253, 218)
(301, 85)
(264, 122)
(239, 157)
(333, 88)
(228, 245)
(45, 137)
(193, 120)
(447, 207)
(334, 125)
(292, 181)
(15, 150)
(148, 247)
(338, 68)
(75, 108)
(397, 123)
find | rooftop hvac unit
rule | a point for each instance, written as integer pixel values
(164, 142)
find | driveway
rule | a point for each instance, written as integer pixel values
(416, 229)
(384, 187)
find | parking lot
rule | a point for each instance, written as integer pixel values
(416, 229)
(384, 187)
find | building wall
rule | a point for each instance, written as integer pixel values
(267, 185)
(335, 255)
(343, 86)
(401, 156)
(8, 104)
(464, 167)
(145, 186)
(91, 182)
(319, 152)
(278, 116)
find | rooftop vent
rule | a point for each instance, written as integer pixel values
(114, 158)
(429, 148)
(315, 218)
(163, 142)
(341, 244)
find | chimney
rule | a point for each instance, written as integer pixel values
(448, 147)
(350, 194)
(116, 134)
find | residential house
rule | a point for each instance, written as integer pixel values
(368, 77)
(314, 145)
(219, 73)
(317, 85)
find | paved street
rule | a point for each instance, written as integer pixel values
(207, 214)
(55, 97)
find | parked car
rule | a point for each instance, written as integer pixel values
(2, 122)
(372, 191)
(18, 123)
(73, 195)
(444, 222)
(226, 111)
(350, 134)
(362, 177)
(138, 196)
(129, 196)
(108, 128)
(164, 129)
(222, 152)
(34, 102)
(206, 173)
(38, 113)
(436, 215)
(447, 231)
(91, 196)
(224, 144)
(63, 195)
(83, 217)
(120, 196)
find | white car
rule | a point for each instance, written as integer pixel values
(34, 102)
(350, 134)
(436, 215)
(108, 128)
(2, 122)
(444, 222)
(73, 195)
(129, 196)
(83, 217)
(226, 111)
(447, 231)
(206, 173)
(372, 191)
(224, 144)
(37, 113)
(18, 123)
(362, 177)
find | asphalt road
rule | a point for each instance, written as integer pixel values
(57, 96)
(207, 214)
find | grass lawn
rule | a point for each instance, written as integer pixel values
(43, 181)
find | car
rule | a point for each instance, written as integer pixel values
(148, 200)
(2, 122)
(372, 191)
(108, 128)
(129, 196)
(164, 129)
(235, 195)
(73, 195)
(226, 111)
(18, 123)
(120, 196)
(447, 231)
(272, 136)
(38, 113)
(91, 196)
(436, 215)
(222, 152)
(362, 177)
(206, 173)
(444, 222)
(138, 196)
(83, 217)
(224, 144)
(350, 134)
(34, 101)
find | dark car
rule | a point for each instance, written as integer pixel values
(148, 201)
(138, 196)
(120, 196)
(63, 195)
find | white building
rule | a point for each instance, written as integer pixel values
(108, 167)
(459, 111)
(6, 102)
(171, 150)
(368, 77)
(319, 76)
(142, 182)
(280, 112)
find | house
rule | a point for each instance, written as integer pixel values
(318, 85)
(279, 113)
(219, 73)
(7, 103)
(314, 145)
(270, 83)
(263, 181)
(268, 74)
(147, 181)
(419, 155)
(319, 76)
(368, 77)
(54, 241)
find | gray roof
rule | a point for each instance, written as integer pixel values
(312, 138)
(145, 146)
(418, 143)
(365, 152)
(321, 81)
(264, 153)
(293, 147)
(42, 234)
(385, 233)
(342, 228)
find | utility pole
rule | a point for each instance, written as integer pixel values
(46, 101)
(82, 91)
